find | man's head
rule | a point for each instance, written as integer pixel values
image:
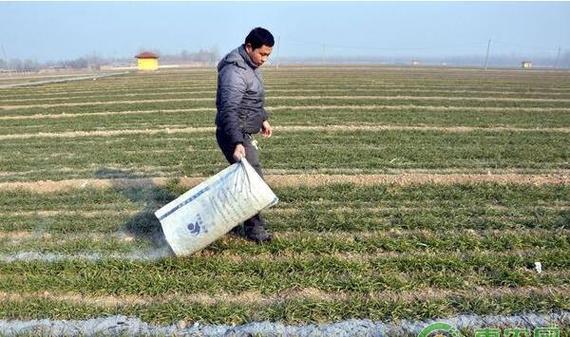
(258, 45)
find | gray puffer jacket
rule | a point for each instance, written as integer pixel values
(240, 96)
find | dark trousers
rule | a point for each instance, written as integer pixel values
(252, 157)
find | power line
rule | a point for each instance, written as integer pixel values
(516, 45)
(336, 46)
(324, 47)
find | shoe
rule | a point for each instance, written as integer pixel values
(237, 230)
(258, 234)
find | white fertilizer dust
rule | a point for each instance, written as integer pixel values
(146, 255)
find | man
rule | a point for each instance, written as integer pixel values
(239, 101)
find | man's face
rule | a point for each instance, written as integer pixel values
(260, 55)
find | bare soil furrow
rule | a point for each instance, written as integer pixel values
(294, 87)
(286, 128)
(424, 108)
(23, 236)
(417, 98)
(291, 294)
(179, 91)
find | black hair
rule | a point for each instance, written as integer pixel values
(259, 37)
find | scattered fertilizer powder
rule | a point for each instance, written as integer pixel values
(147, 255)
(130, 326)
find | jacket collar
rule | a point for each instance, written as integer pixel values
(246, 58)
(238, 57)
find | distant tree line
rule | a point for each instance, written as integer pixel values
(30, 65)
(20, 65)
(211, 57)
(202, 56)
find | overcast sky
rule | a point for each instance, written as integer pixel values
(65, 30)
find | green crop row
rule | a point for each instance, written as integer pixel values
(177, 94)
(294, 311)
(313, 99)
(431, 207)
(511, 197)
(459, 196)
(271, 274)
(194, 88)
(478, 198)
(176, 154)
(394, 88)
(309, 100)
(318, 220)
(301, 242)
(310, 116)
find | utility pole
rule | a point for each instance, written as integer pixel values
(557, 58)
(6, 59)
(487, 56)
(4, 53)
(277, 52)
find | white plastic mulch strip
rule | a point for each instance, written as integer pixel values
(129, 326)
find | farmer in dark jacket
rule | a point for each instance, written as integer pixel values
(239, 101)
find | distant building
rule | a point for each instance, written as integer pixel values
(416, 62)
(147, 61)
(526, 64)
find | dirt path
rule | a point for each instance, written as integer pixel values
(60, 80)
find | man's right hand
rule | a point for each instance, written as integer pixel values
(239, 152)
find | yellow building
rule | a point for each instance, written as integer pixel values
(147, 61)
(526, 64)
